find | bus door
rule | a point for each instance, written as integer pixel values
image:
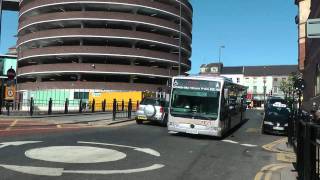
(225, 110)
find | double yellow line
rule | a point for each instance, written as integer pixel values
(266, 172)
(270, 146)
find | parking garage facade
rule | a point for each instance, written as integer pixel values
(125, 45)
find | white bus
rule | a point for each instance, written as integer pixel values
(208, 105)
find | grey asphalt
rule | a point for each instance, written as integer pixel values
(184, 156)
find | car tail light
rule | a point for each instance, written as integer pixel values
(161, 109)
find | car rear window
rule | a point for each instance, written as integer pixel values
(148, 101)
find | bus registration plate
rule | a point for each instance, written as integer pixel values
(192, 131)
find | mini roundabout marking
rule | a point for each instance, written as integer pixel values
(77, 155)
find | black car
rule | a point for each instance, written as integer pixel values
(276, 117)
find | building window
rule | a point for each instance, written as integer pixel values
(317, 85)
(275, 90)
(81, 95)
(238, 80)
(254, 80)
(275, 79)
(255, 89)
(203, 70)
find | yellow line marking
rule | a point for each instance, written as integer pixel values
(269, 147)
(259, 176)
(268, 175)
(286, 157)
(265, 171)
(11, 125)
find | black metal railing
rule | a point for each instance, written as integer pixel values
(305, 138)
(32, 107)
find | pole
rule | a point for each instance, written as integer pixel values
(220, 54)
(0, 16)
(180, 29)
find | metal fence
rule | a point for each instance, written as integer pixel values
(305, 138)
(31, 107)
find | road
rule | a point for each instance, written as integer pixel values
(135, 152)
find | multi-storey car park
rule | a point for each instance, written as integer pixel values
(117, 45)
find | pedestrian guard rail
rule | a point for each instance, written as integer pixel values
(32, 107)
(304, 136)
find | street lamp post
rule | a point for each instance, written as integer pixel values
(220, 52)
(180, 29)
(264, 90)
(264, 85)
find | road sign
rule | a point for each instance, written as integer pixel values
(313, 28)
(10, 93)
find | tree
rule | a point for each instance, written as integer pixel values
(287, 86)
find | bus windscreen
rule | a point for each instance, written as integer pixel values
(197, 104)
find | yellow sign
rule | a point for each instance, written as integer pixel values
(10, 93)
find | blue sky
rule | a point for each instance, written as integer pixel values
(254, 32)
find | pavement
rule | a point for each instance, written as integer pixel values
(65, 118)
(13, 126)
(283, 168)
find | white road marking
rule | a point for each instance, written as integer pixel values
(17, 143)
(249, 145)
(40, 171)
(172, 132)
(75, 154)
(47, 171)
(126, 171)
(145, 150)
(230, 141)
(234, 142)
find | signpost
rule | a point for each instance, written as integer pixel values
(313, 28)
(10, 90)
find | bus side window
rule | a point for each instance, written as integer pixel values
(225, 97)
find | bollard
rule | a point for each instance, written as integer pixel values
(50, 107)
(66, 104)
(114, 109)
(31, 106)
(104, 105)
(122, 105)
(129, 109)
(80, 106)
(19, 106)
(93, 105)
(8, 108)
(137, 106)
